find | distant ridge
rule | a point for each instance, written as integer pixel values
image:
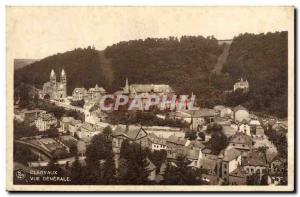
(20, 63)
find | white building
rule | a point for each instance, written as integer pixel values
(79, 94)
(45, 121)
(240, 114)
(232, 160)
(242, 85)
(244, 127)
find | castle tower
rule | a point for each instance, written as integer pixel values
(63, 80)
(53, 78)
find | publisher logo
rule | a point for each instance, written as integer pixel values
(20, 174)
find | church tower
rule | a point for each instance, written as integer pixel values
(63, 80)
(126, 88)
(53, 78)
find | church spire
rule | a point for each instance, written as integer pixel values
(63, 72)
(52, 73)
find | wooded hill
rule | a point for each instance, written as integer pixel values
(184, 63)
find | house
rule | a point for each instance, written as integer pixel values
(194, 156)
(244, 127)
(197, 119)
(164, 131)
(79, 94)
(238, 177)
(133, 134)
(241, 84)
(95, 116)
(241, 142)
(64, 124)
(223, 112)
(45, 121)
(240, 113)
(94, 94)
(256, 127)
(230, 162)
(255, 162)
(157, 143)
(74, 126)
(87, 131)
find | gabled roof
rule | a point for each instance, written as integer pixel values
(231, 154)
(241, 138)
(208, 164)
(130, 132)
(176, 140)
(196, 144)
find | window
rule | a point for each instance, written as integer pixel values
(225, 166)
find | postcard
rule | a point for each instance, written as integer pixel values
(145, 99)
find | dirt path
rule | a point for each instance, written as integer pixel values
(107, 67)
(221, 60)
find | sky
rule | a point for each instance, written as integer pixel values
(37, 32)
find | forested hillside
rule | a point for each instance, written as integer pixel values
(183, 63)
(84, 68)
(262, 59)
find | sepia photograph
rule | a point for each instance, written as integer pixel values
(148, 99)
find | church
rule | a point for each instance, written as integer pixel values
(54, 89)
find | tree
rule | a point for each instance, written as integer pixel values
(76, 174)
(190, 135)
(157, 157)
(218, 140)
(136, 171)
(107, 132)
(100, 162)
(201, 135)
(180, 174)
(79, 103)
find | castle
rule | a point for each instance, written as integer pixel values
(54, 89)
(241, 84)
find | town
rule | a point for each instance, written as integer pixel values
(218, 146)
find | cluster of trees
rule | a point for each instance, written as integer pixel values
(178, 173)
(79, 103)
(184, 63)
(24, 130)
(143, 118)
(279, 139)
(218, 140)
(263, 60)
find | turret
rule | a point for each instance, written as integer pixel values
(63, 80)
(63, 76)
(52, 78)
